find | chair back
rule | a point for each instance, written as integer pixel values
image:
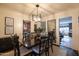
(46, 44)
(42, 44)
(15, 43)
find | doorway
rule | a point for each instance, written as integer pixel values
(65, 31)
(26, 28)
(26, 33)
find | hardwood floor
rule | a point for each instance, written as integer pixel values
(57, 51)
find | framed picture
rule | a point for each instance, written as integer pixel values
(9, 25)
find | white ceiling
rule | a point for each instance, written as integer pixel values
(44, 9)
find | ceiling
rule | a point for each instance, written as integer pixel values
(44, 9)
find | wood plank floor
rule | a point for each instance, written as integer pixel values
(57, 51)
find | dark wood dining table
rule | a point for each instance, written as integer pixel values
(33, 43)
(44, 38)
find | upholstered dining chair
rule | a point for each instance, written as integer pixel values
(41, 47)
(19, 49)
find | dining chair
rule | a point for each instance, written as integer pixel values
(19, 50)
(15, 43)
(41, 47)
(50, 38)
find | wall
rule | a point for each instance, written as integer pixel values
(74, 13)
(18, 21)
(75, 26)
(49, 18)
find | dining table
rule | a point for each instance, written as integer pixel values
(32, 42)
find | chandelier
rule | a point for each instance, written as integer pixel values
(36, 17)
